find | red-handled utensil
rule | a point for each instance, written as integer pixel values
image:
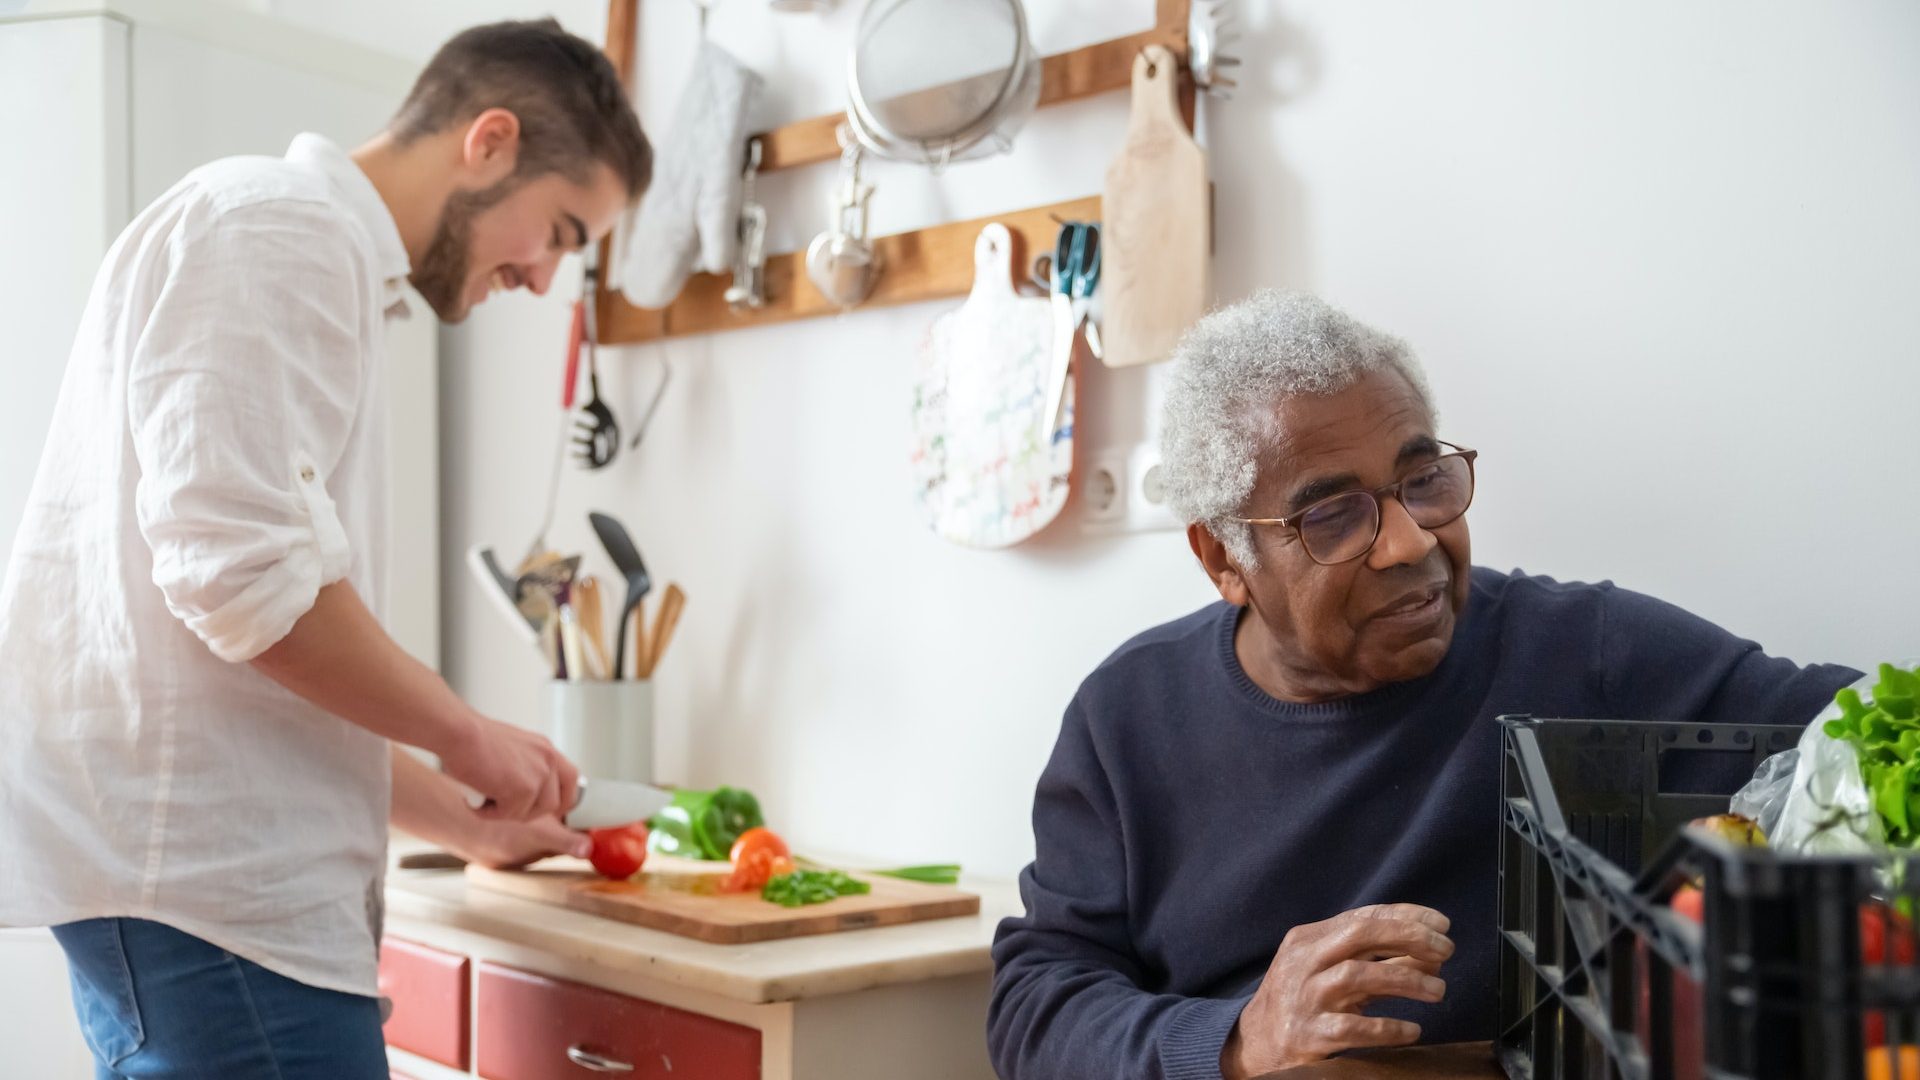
(575, 337)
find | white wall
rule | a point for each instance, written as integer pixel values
(1661, 261)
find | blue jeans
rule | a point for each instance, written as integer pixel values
(157, 1004)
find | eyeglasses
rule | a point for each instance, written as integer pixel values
(1341, 528)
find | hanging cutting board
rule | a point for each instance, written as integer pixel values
(680, 896)
(1156, 230)
(988, 470)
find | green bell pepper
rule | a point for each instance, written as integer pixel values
(704, 824)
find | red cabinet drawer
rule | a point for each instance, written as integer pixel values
(535, 1028)
(429, 992)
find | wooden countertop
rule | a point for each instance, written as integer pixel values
(764, 972)
(813, 966)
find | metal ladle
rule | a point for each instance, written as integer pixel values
(841, 261)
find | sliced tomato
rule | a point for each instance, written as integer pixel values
(619, 852)
(758, 856)
(755, 840)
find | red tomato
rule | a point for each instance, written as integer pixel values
(1688, 1035)
(1876, 921)
(1690, 902)
(619, 852)
(758, 855)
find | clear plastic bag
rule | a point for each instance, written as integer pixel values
(1812, 800)
(1765, 796)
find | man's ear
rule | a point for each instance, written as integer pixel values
(1218, 563)
(491, 148)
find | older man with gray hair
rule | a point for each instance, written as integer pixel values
(1268, 831)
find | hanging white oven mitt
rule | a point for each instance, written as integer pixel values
(689, 219)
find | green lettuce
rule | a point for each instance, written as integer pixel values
(1885, 733)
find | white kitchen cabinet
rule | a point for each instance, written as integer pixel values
(103, 106)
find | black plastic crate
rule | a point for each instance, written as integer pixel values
(1594, 963)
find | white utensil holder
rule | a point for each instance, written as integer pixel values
(604, 727)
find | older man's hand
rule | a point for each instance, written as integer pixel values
(1308, 1006)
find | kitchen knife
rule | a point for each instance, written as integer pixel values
(604, 803)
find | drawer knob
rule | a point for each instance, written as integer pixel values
(587, 1059)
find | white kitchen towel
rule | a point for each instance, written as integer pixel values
(689, 219)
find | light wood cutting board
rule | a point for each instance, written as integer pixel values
(1156, 234)
(679, 896)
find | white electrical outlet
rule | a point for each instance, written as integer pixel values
(1121, 492)
(1147, 508)
(1103, 493)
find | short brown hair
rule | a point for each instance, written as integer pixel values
(573, 111)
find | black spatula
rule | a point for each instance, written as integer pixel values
(626, 559)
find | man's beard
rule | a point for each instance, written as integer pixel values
(441, 276)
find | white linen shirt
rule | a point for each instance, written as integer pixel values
(217, 454)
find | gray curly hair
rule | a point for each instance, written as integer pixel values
(1230, 370)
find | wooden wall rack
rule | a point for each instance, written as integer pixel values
(925, 264)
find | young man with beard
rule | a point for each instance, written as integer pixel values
(198, 707)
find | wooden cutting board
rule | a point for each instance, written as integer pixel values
(1156, 234)
(680, 896)
(989, 469)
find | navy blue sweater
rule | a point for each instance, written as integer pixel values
(1188, 819)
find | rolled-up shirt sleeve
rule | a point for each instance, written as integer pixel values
(242, 391)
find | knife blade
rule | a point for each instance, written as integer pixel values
(602, 804)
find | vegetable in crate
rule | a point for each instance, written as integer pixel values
(1851, 786)
(1689, 1052)
(1736, 829)
(1879, 924)
(1886, 735)
(1880, 1063)
(704, 824)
